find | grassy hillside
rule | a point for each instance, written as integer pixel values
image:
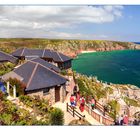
(69, 47)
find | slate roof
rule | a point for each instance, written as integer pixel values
(37, 76)
(55, 56)
(46, 64)
(7, 57)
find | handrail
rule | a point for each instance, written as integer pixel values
(74, 112)
(79, 114)
(102, 109)
(106, 120)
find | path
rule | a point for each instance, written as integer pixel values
(68, 117)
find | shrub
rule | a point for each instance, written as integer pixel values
(20, 87)
(64, 72)
(131, 102)
(6, 67)
(89, 86)
(57, 117)
(115, 107)
(79, 122)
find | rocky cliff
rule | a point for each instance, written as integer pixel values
(69, 47)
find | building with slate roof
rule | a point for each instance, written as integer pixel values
(4, 57)
(46, 64)
(61, 60)
(40, 79)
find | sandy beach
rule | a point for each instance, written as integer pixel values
(88, 51)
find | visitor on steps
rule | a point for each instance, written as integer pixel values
(82, 104)
(75, 90)
(72, 101)
(93, 103)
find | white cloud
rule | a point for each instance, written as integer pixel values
(41, 19)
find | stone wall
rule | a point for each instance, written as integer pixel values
(51, 94)
(62, 93)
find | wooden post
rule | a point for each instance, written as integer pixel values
(67, 108)
(73, 111)
(101, 119)
(8, 88)
(90, 109)
(14, 91)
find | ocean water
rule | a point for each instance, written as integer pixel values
(137, 42)
(120, 67)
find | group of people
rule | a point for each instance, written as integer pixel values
(122, 120)
(75, 98)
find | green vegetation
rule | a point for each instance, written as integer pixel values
(57, 117)
(131, 102)
(89, 86)
(42, 113)
(114, 108)
(40, 106)
(20, 87)
(12, 115)
(79, 122)
(6, 67)
(64, 46)
(64, 72)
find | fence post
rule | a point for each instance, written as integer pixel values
(101, 119)
(73, 111)
(8, 88)
(67, 107)
(90, 109)
(14, 91)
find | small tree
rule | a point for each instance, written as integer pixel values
(20, 87)
(57, 117)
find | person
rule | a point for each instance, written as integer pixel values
(121, 120)
(105, 109)
(135, 122)
(125, 120)
(78, 96)
(72, 101)
(93, 103)
(116, 122)
(82, 104)
(75, 90)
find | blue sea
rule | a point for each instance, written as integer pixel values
(120, 67)
(137, 42)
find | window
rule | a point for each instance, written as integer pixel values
(46, 91)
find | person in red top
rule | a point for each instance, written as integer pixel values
(125, 120)
(72, 100)
(82, 104)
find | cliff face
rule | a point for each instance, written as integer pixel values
(68, 47)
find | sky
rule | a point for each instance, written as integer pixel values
(94, 22)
